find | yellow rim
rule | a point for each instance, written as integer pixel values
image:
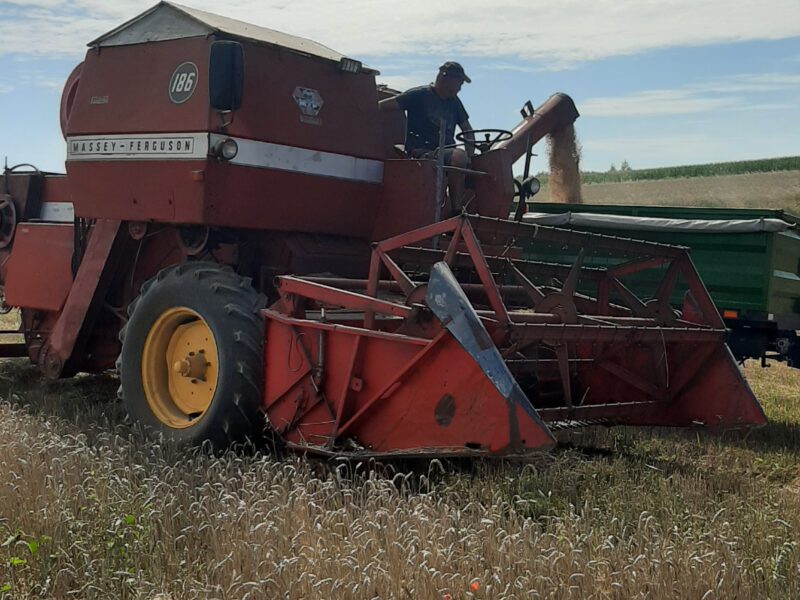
(179, 367)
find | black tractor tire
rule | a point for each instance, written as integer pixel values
(228, 306)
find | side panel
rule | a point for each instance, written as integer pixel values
(125, 89)
(737, 268)
(496, 193)
(138, 190)
(121, 115)
(56, 205)
(342, 118)
(408, 197)
(784, 294)
(259, 198)
(39, 269)
(310, 149)
(388, 394)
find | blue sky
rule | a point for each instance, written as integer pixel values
(658, 83)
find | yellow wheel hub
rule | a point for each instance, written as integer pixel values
(179, 367)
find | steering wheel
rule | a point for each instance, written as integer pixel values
(491, 137)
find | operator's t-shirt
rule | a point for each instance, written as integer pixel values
(424, 108)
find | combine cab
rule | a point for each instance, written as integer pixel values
(237, 233)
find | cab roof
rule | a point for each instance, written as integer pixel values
(171, 21)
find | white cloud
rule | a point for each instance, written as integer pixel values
(653, 103)
(554, 34)
(727, 93)
(405, 81)
(33, 79)
(513, 68)
(751, 82)
(40, 80)
(765, 107)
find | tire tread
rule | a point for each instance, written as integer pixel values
(238, 415)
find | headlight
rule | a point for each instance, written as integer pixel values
(533, 186)
(348, 65)
(227, 149)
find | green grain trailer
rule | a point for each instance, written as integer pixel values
(748, 258)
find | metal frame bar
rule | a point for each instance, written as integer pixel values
(340, 409)
(485, 274)
(534, 332)
(348, 329)
(288, 285)
(403, 280)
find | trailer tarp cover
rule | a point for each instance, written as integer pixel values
(622, 222)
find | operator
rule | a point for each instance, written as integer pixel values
(425, 106)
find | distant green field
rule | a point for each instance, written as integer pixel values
(787, 163)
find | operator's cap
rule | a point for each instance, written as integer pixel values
(454, 69)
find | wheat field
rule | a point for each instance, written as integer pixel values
(774, 190)
(88, 511)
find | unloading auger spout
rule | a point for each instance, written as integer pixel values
(557, 112)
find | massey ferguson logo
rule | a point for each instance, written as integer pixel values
(144, 146)
(309, 101)
(183, 83)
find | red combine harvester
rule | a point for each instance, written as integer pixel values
(215, 168)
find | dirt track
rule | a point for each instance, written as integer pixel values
(780, 189)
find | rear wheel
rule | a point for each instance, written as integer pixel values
(190, 367)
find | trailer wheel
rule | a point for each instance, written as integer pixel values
(190, 368)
